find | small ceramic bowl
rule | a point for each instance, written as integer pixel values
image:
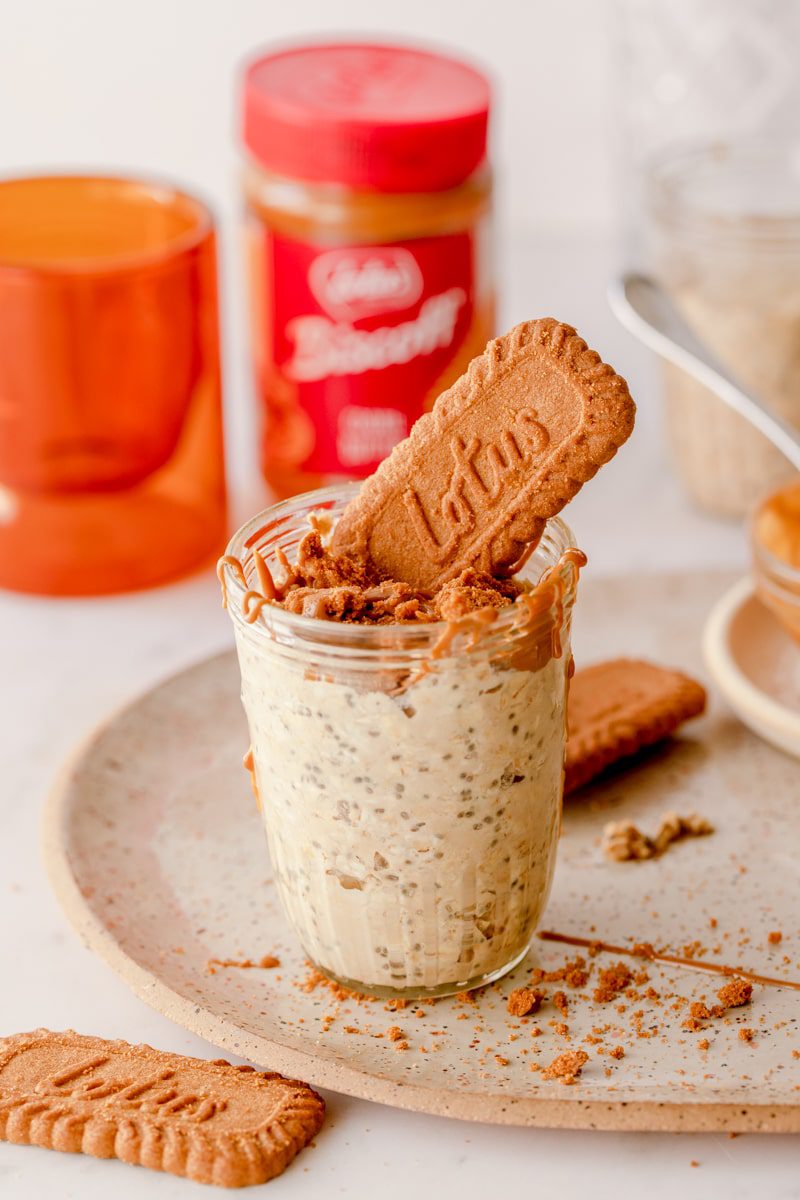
(756, 665)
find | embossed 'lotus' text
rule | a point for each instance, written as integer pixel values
(155, 1094)
(470, 488)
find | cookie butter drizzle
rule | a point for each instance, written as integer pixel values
(547, 594)
(249, 765)
(646, 951)
(229, 560)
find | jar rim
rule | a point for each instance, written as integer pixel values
(131, 191)
(407, 639)
(674, 173)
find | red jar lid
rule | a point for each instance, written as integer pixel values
(390, 118)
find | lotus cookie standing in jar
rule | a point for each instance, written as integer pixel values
(405, 653)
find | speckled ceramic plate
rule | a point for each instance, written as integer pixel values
(156, 852)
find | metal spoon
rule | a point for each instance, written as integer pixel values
(646, 311)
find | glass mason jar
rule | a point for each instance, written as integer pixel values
(726, 244)
(411, 793)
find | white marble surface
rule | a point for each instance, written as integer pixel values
(65, 665)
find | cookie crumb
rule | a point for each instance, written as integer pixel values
(736, 993)
(394, 1033)
(567, 1066)
(561, 1003)
(524, 1001)
(625, 842)
(775, 937)
(612, 981)
(746, 1035)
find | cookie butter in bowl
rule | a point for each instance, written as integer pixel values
(775, 536)
(405, 654)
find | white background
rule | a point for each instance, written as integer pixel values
(150, 87)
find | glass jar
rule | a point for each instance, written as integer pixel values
(368, 202)
(111, 451)
(726, 244)
(411, 798)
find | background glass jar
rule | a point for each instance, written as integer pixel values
(411, 802)
(368, 201)
(726, 243)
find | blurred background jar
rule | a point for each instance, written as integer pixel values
(710, 117)
(368, 202)
(726, 242)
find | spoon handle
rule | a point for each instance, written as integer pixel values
(646, 311)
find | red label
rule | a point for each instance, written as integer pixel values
(360, 337)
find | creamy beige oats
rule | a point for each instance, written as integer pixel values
(424, 824)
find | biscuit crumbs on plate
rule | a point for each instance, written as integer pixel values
(736, 993)
(567, 1066)
(625, 842)
(775, 937)
(612, 981)
(561, 1003)
(523, 1001)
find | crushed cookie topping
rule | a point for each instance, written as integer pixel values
(623, 841)
(612, 981)
(567, 1066)
(523, 1002)
(736, 993)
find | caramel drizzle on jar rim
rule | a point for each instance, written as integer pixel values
(693, 964)
(254, 599)
(248, 762)
(548, 593)
(229, 560)
(266, 583)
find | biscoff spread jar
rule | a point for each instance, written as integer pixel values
(368, 200)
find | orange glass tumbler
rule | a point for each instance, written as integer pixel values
(111, 452)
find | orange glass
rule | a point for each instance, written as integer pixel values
(111, 453)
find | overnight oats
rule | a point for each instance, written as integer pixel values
(409, 774)
(405, 654)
